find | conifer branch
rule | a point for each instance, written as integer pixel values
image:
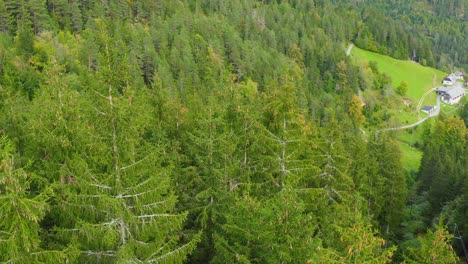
(88, 206)
(165, 257)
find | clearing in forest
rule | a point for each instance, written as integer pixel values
(419, 78)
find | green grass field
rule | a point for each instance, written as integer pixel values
(419, 78)
(411, 157)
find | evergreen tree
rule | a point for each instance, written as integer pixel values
(442, 172)
(358, 244)
(117, 199)
(464, 114)
(39, 16)
(394, 189)
(22, 212)
(3, 17)
(283, 231)
(433, 247)
(25, 40)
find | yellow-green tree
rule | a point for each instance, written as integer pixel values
(433, 247)
(355, 110)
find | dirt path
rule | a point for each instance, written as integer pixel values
(350, 47)
(420, 121)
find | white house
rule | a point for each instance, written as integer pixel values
(451, 95)
(447, 81)
(452, 78)
(458, 75)
(428, 109)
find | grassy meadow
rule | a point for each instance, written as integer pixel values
(420, 79)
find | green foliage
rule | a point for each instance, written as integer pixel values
(283, 231)
(464, 114)
(433, 247)
(200, 131)
(419, 78)
(441, 173)
(355, 110)
(393, 194)
(402, 89)
(358, 244)
(416, 30)
(22, 212)
(25, 41)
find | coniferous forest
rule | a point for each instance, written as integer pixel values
(223, 131)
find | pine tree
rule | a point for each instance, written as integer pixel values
(358, 243)
(21, 214)
(56, 127)
(394, 192)
(39, 16)
(285, 133)
(116, 200)
(433, 247)
(442, 172)
(282, 232)
(3, 17)
(208, 177)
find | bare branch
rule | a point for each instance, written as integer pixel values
(108, 253)
(135, 163)
(155, 215)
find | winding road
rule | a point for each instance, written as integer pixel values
(418, 107)
(420, 121)
(421, 101)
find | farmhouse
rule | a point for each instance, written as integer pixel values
(458, 75)
(451, 95)
(452, 78)
(447, 81)
(428, 109)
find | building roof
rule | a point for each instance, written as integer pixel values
(427, 108)
(451, 92)
(458, 74)
(444, 89)
(455, 92)
(453, 77)
(448, 79)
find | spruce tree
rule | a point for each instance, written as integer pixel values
(116, 199)
(283, 231)
(433, 247)
(21, 214)
(394, 192)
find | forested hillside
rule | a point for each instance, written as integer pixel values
(216, 132)
(431, 32)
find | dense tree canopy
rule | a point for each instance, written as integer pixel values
(217, 131)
